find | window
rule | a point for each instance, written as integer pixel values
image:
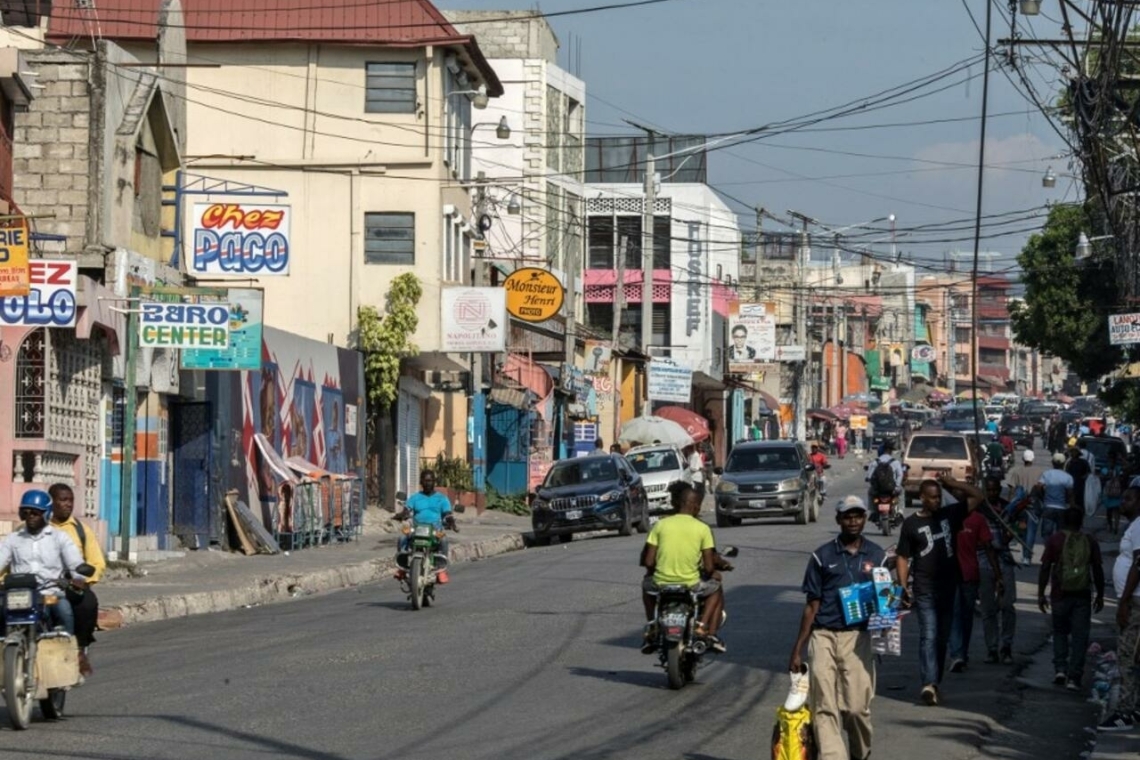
(390, 88)
(600, 232)
(30, 371)
(457, 127)
(961, 334)
(390, 238)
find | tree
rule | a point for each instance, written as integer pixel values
(384, 341)
(1066, 307)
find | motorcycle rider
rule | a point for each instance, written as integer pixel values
(45, 552)
(430, 507)
(84, 604)
(819, 459)
(887, 457)
(680, 551)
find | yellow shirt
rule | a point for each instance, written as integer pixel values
(92, 552)
(680, 540)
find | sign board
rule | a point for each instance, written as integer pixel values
(50, 301)
(533, 294)
(244, 352)
(240, 239)
(669, 382)
(1123, 329)
(200, 321)
(473, 319)
(923, 353)
(752, 337)
(791, 354)
(15, 274)
(858, 422)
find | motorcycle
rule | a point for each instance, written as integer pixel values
(886, 508)
(423, 563)
(40, 663)
(680, 648)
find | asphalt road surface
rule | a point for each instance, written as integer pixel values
(530, 655)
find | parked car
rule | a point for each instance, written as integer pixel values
(931, 454)
(767, 479)
(597, 492)
(659, 468)
(1103, 446)
(1019, 428)
(885, 427)
(963, 417)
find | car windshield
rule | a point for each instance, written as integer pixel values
(653, 461)
(883, 421)
(938, 447)
(751, 460)
(958, 413)
(576, 473)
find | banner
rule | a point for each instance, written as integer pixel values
(1123, 329)
(50, 301)
(752, 337)
(240, 239)
(15, 274)
(244, 352)
(669, 382)
(200, 321)
(474, 319)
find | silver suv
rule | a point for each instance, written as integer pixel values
(767, 479)
(659, 466)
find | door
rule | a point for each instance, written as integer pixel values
(195, 521)
(508, 446)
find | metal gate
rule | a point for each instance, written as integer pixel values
(409, 441)
(195, 513)
(508, 449)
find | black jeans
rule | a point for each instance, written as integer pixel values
(86, 609)
(1072, 620)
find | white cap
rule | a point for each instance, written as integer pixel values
(848, 503)
(1027, 456)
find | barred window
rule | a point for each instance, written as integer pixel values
(390, 238)
(390, 88)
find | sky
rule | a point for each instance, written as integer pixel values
(719, 66)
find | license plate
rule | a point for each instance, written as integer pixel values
(931, 474)
(671, 619)
(884, 508)
(573, 514)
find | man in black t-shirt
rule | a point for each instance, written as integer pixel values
(926, 555)
(1079, 468)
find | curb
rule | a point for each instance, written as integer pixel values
(282, 588)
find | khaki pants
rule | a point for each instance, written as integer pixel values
(842, 669)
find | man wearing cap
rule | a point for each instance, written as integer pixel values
(841, 662)
(1056, 489)
(1020, 482)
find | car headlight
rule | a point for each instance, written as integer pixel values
(614, 495)
(540, 504)
(791, 484)
(726, 486)
(19, 599)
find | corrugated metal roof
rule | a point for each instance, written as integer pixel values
(398, 23)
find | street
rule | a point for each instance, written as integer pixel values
(529, 655)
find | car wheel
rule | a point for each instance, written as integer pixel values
(722, 521)
(735, 522)
(643, 523)
(814, 516)
(565, 538)
(626, 528)
(804, 514)
(542, 539)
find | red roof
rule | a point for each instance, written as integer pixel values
(393, 23)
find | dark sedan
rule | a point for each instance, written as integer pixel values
(1020, 429)
(600, 492)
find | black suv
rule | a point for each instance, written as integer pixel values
(885, 427)
(1020, 429)
(597, 492)
(767, 479)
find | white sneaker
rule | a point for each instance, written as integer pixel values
(798, 693)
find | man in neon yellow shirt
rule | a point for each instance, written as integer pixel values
(680, 551)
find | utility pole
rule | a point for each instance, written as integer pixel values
(619, 307)
(759, 248)
(647, 269)
(801, 332)
(951, 356)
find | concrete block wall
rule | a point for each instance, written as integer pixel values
(508, 36)
(51, 147)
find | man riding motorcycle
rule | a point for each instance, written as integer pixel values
(430, 507)
(874, 490)
(819, 460)
(680, 551)
(40, 550)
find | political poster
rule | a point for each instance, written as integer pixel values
(244, 352)
(50, 301)
(752, 337)
(15, 273)
(669, 382)
(240, 239)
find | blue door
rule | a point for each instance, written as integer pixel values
(508, 446)
(194, 508)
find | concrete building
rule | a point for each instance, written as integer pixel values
(364, 137)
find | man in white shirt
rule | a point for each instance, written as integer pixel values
(40, 550)
(1055, 489)
(1126, 579)
(697, 469)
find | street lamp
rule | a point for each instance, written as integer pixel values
(513, 206)
(1084, 245)
(479, 97)
(1050, 179)
(502, 129)
(1030, 7)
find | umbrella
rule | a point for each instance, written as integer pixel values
(939, 395)
(695, 425)
(843, 411)
(822, 414)
(649, 429)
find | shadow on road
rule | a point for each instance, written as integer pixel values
(648, 678)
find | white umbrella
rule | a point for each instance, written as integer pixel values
(649, 429)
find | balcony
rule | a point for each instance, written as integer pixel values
(600, 285)
(993, 343)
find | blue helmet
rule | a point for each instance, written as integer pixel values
(39, 500)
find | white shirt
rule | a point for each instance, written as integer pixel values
(1129, 543)
(697, 467)
(45, 555)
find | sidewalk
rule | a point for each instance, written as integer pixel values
(214, 580)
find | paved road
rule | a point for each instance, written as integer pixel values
(531, 655)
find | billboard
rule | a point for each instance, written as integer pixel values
(751, 337)
(240, 239)
(201, 320)
(1123, 329)
(473, 319)
(50, 301)
(244, 352)
(15, 276)
(669, 382)
(533, 294)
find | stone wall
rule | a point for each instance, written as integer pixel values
(514, 34)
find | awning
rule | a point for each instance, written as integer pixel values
(704, 382)
(510, 397)
(415, 387)
(435, 361)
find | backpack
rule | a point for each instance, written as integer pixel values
(1075, 558)
(1114, 487)
(883, 479)
(792, 736)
